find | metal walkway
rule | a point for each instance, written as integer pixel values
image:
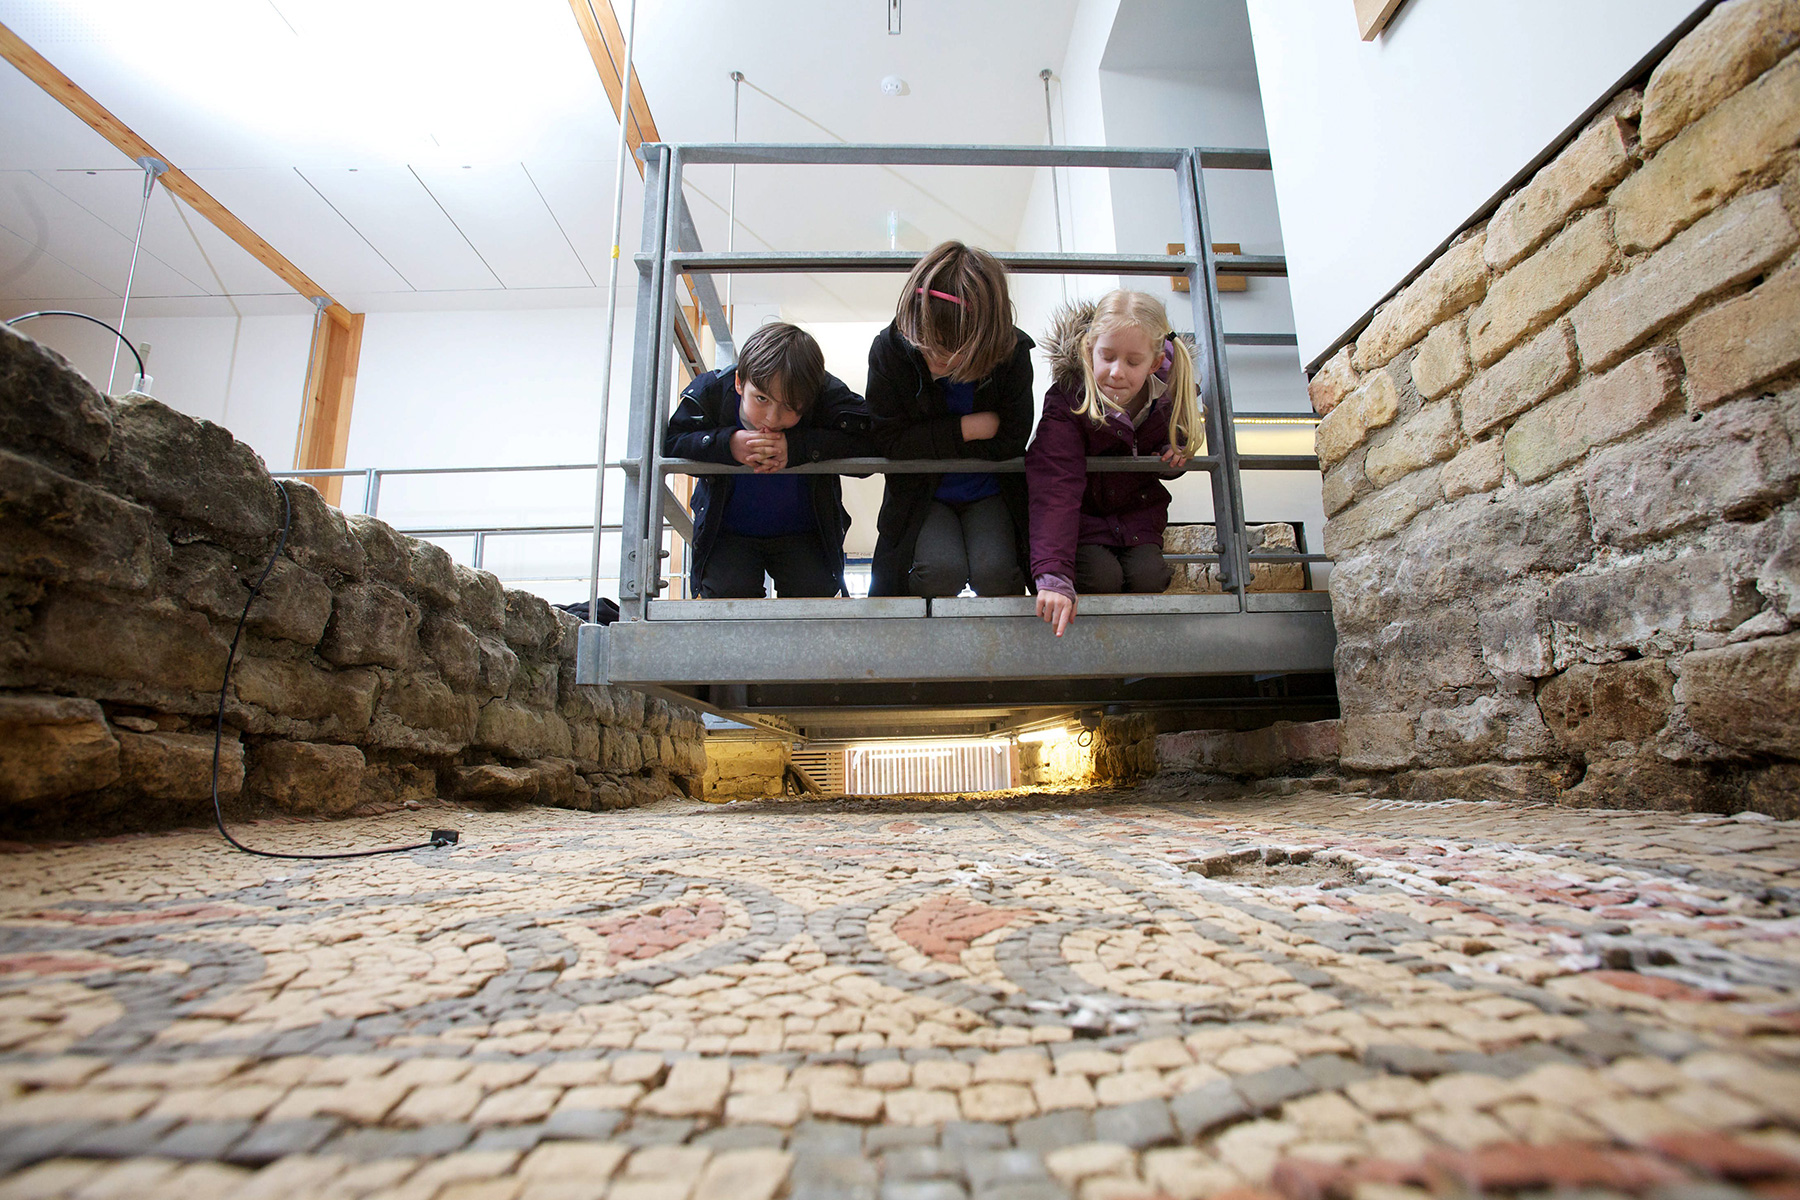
(845, 667)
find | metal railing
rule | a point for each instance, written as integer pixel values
(671, 250)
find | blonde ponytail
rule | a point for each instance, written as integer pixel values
(1121, 309)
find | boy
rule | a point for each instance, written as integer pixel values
(776, 408)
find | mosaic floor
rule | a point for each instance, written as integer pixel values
(1319, 996)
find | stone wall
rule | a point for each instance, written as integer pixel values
(373, 669)
(1561, 465)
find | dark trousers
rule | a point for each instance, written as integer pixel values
(796, 563)
(1121, 569)
(967, 543)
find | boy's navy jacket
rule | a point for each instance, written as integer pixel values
(913, 420)
(836, 426)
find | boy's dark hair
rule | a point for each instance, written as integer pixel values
(955, 304)
(784, 361)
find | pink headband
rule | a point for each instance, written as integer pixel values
(939, 295)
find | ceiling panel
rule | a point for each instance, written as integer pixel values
(296, 220)
(500, 211)
(43, 216)
(29, 272)
(392, 209)
(580, 195)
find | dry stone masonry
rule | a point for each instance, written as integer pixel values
(1561, 465)
(373, 668)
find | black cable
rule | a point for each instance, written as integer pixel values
(63, 312)
(442, 837)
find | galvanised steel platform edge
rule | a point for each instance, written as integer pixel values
(948, 648)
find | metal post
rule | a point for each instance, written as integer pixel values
(1055, 195)
(612, 309)
(371, 490)
(1215, 378)
(480, 554)
(737, 87)
(152, 168)
(647, 347)
(650, 561)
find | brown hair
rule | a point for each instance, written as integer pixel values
(974, 329)
(784, 361)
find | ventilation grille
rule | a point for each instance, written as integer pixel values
(826, 767)
(943, 767)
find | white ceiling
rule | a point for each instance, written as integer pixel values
(409, 155)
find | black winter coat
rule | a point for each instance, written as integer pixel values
(836, 426)
(912, 420)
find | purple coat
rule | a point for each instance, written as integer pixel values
(1070, 507)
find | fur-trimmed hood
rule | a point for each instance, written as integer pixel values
(1062, 342)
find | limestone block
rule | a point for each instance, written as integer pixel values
(1515, 636)
(298, 689)
(534, 684)
(1415, 659)
(1644, 782)
(1477, 467)
(1203, 578)
(398, 782)
(1371, 406)
(372, 624)
(178, 766)
(1383, 514)
(433, 574)
(1740, 457)
(1774, 791)
(742, 770)
(1724, 248)
(1492, 728)
(1630, 396)
(1335, 380)
(1480, 781)
(1743, 342)
(1737, 41)
(628, 708)
(294, 604)
(531, 624)
(453, 650)
(1746, 696)
(556, 781)
(1546, 439)
(1539, 368)
(481, 598)
(1650, 605)
(306, 777)
(583, 702)
(1542, 287)
(386, 552)
(1443, 359)
(1428, 436)
(53, 746)
(1593, 704)
(521, 732)
(1779, 576)
(1345, 483)
(194, 473)
(1456, 280)
(1709, 161)
(1377, 741)
(1483, 542)
(51, 411)
(497, 665)
(1573, 180)
(420, 713)
(621, 751)
(57, 528)
(492, 782)
(319, 537)
(1274, 750)
(151, 643)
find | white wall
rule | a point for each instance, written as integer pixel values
(1383, 150)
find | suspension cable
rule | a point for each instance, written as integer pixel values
(152, 168)
(1055, 195)
(737, 91)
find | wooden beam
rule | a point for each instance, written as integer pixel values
(606, 46)
(1372, 16)
(325, 419)
(64, 90)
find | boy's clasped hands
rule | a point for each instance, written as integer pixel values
(764, 450)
